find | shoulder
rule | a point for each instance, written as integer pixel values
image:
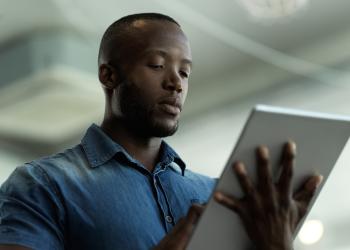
(74, 156)
(32, 211)
(199, 178)
(203, 185)
(71, 161)
(50, 170)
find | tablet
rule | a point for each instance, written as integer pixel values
(320, 139)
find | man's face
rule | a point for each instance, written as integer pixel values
(155, 79)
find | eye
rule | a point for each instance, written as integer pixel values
(184, 74)
(156, 66)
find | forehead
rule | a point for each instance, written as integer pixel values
(149, 35)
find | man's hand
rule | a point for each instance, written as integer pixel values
(180, 235)
(270, 211)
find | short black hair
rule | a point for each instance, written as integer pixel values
(120, 28)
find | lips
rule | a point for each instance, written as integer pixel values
(171, 105)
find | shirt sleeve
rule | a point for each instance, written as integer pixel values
(31, 212)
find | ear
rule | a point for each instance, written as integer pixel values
(108, 76)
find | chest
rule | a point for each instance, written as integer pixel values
(126, 209)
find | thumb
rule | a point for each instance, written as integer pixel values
(194, 213)
(185, 225)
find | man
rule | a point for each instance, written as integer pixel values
(123, 187)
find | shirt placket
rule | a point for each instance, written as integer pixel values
(162, 201)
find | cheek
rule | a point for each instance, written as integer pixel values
(141, 95)
(146, 76)
(148, 85)
(184, 91)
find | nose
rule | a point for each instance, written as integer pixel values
(173, 82)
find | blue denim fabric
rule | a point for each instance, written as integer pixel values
(96, 196)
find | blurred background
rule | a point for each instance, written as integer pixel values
(290, 53)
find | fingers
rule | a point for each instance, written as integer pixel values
(228, 201)
(285, 180)
(194, 213)
(266, 186)
(179, 236)
(265, 181)
(182, 231)
(306, 193)
(243, 178)
(187, 222)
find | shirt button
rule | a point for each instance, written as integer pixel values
(168, 219)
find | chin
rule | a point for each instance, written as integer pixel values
(164, 129)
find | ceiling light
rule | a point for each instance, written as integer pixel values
(272, 8)
(311, 232)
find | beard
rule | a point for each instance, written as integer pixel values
(140, 116)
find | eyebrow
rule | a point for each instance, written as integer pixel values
(165, 54)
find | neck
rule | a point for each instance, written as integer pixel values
(143, 149)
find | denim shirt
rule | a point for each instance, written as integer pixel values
(96, 196)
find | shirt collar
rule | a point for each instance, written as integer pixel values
(100, 148)
(168, 156)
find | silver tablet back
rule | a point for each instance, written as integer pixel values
(320, 140)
